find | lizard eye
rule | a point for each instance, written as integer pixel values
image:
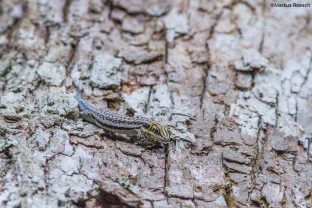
(156, 131)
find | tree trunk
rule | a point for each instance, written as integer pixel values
(232, 79)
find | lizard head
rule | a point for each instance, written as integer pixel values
(157, 132)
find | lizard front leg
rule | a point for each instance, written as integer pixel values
(143, 140)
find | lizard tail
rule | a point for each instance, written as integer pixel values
(78, 94)
(83, 104)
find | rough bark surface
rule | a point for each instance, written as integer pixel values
(231, 78)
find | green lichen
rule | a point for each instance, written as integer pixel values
(5, 144)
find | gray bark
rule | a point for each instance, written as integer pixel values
(231, 78)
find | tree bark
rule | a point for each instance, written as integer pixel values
(232, 79)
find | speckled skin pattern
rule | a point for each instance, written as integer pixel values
(117, 123)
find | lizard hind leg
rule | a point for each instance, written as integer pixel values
(86, 115)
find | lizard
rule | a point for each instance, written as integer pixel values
(117, 123)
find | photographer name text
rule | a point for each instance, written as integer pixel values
(295, 5)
